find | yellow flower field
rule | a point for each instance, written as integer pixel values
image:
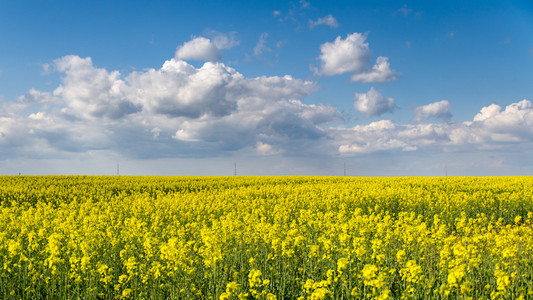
(117, 237)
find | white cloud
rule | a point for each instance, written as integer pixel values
(439, 109)
(266, 149)
(223, 41)
(280, 124)
(514, 123)
(328, 20)
(9, 109)
(353, 55)
(199, 48)
(180, 110)
(372, 103)
(261, 46)
(385, 135)
(35, 96)
(90, 91)
(380, 72)
(487, 112)
(179, 89)
(492, 128)
(348, 55)
(159, 112)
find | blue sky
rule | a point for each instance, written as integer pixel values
(389, 88)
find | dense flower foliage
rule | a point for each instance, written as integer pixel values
(118, 237)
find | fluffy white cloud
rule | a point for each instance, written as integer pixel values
(372, 103)
(380, 72)
(353, 55)
(90, 91)
(180, 110)
(159, 112)
(492, 128)
(439, 109)
(261, 46)
(385, 135)
(199, 48)
(344, 55)
(179, 89)
(328, 20)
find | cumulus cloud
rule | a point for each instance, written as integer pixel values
(492, 128)
(380, 72)
(372, 103)
(91, 91)
(35, 96)
(328, 20)
(385, 135)
(179, 110)
(353, 55)
(439, 109)
(199, 48)
(179, 89)
(493, 125)
(176, 110)
(261, 46)
(11, 108)
(280, 123)
(344, 55)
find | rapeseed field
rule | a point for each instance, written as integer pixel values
(120, 237)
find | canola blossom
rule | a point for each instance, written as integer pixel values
(121, 237)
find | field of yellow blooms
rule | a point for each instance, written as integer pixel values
(117, 237)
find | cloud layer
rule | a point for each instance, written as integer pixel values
(176, 110)
(491, 128)
(181, 110)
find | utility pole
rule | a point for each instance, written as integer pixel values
(344, 168)
(118, 169)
